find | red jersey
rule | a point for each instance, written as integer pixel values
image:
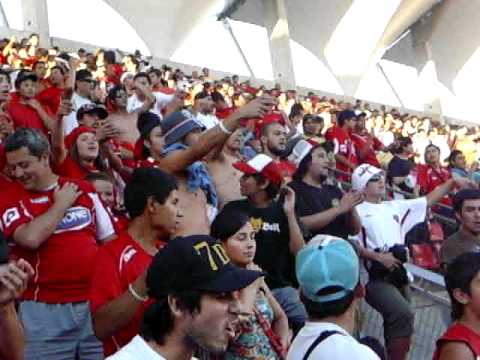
(429, 178)
(24, 115)
(459, 333)
(72, 169)
(119, 263)
(64, 262)
(343, 145)
(51, 98)
(366, 144)
(287, 168)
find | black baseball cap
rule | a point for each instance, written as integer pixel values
(25, 75)
(92, 108)
(196, 262)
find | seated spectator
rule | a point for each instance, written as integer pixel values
(203, 110)
(344, 150)
(55, 224)
(461, 341)
(278, 233)
(14, 278)
(366, 144)
(323, 208)
(265, 333)
(189, 312)
(401, 172)
(51, 96)
(24, 109)
(328, 270)
(118, 293)
(144, 99)
(84, 85)
(220, 167)
(466, 204)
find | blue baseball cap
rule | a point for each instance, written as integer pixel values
(327, 262)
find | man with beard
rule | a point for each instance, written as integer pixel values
(203, 109)
(224, 175)
(274, 142)
(466, 204)
(195, 307)
(323, 208)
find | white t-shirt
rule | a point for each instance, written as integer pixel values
(336, 346)
(208, 121)
(386, 224)
(70, 121)
(162, 100)
(137, 349)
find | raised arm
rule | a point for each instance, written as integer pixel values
(440, 191)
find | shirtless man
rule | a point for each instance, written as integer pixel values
(120, 119)
(224, 175)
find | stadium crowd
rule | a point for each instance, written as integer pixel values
(151, 214)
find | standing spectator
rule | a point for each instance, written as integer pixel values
(193, 308)
(203, 109)
(119, 118)
(51, 96)
(84, 85)
(39, 68)
(382, 240)
(466, 204)
(55, 226)
(366, 144)
(278, 234)
(344, 149)
(323, 208)
(24, 109)
(313, 128)
(118, 294)
(461, 341)
(267, 328)
(328, 270)
(458, 164)
(401, 173)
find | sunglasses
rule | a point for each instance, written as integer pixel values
(375, 178)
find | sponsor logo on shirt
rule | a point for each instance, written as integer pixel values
(258, 224)
(9, 216)
(76, 218)
(40, 200)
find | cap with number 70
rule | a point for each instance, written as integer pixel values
(196, 262)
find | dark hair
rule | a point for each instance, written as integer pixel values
(304, 165)
(319, 311)
(310, 117)
(216, 97)
(147, 182)
(6, 73)
(155, 71)
(432, 146)
(343, 116)
(36, 63)
(112, 93)
(158, 320)
(452, 157)
(144, 75)
(459, 275)
(399, 146)
(296, 110)
(99, 175)
(228, 222)
(272, 189)
(98, 162)
(34, 140)
(464, 194)
(109, 57)
(58, 67)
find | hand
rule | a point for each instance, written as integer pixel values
(107, 131)
(14, 279)
(388, 260)
(289, 202)
(464, 183)
(257, 108)
(66, 195)
(349, 201)
(65, 108)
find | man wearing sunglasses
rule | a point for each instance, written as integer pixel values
(84, 85)
(382, 240)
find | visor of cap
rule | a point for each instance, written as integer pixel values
(230, 278)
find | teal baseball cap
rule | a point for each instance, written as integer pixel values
(327, 269)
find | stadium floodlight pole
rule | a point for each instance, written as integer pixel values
(228, 26)
(3, 16)
(390, 85)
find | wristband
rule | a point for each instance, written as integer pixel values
(224, 129)
(136, 295)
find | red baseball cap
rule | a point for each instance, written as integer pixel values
(261, 164)
(73, 136)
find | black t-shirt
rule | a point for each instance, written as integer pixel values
(272, 237)
(311, 200)
(398, 167)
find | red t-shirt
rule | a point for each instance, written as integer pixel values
(72, 169)
(362, 144)
(24, 115)
(114, 73)
(343, 145)
(64, 262)
(429, 178)
(51, 98)
(459, 333)
(119, 263)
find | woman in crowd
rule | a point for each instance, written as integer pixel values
(265, 333)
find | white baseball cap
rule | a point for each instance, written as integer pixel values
(362, 175)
